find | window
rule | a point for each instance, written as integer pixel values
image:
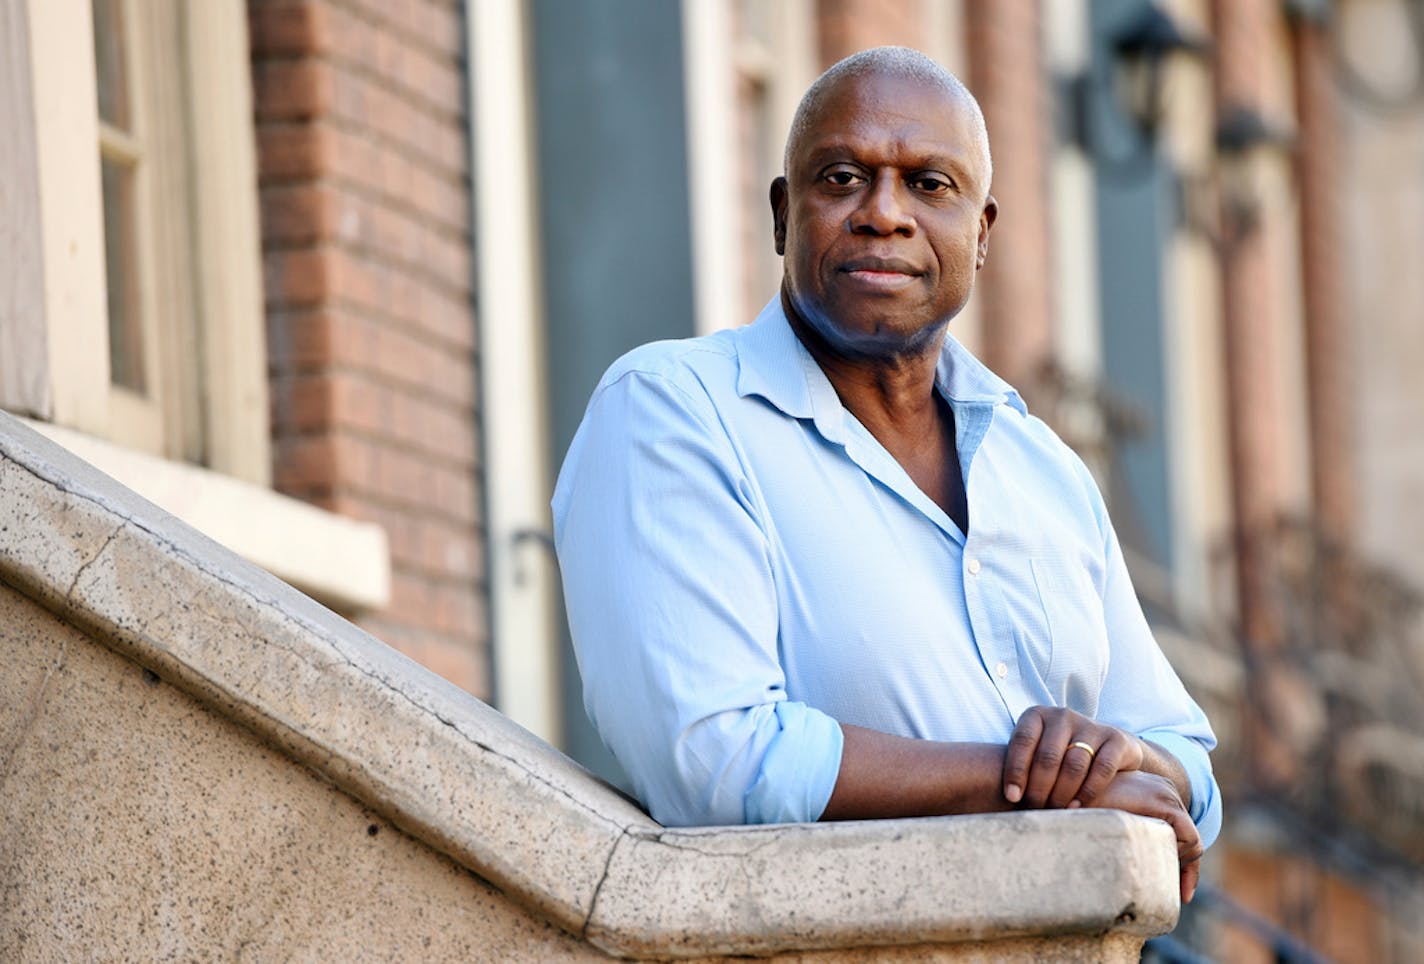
(131, 310)
(147, 229)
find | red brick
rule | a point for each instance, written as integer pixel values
(292, 89)
(413, 596)
(357, 161)
(445, 200)
(455, 493)
(287, 28)
(1013, 289)
(404, 356)
(299, 213)
(439, 81)
(365, 213)
(446, 434)
(420, 543)
(846, 26)
(304, 463)
(454, 610)
(313, 339)
(293, 336)
(301, 277)
(438, 29)
(302, 403)
(356, 403)
(292, 151)
(447, 259)
(442, 28)
(446, 318)
(459, 664)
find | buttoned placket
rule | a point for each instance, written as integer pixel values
(988, 620)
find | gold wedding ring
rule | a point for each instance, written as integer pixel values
(1083, 746)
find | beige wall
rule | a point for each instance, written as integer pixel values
(139, 821)
(1384, 205)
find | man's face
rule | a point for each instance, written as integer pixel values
(885, 218)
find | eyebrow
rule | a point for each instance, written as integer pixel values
(838, 149)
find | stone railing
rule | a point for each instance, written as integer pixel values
(198, 761)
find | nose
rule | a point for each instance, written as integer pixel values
(883, 209)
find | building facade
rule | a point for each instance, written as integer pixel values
(333, 280)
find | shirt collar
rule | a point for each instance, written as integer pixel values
(775, 365)
(964, 378)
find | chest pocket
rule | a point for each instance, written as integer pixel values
(1077, 663)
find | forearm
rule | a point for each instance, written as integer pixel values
(894, 776)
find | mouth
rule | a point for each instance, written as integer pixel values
(881, 273)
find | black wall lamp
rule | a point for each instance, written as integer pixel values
(1144, 49)
(1224, 204)
(1115, 114)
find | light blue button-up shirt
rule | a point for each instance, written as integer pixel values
(744, 565)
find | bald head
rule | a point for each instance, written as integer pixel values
(901, 63)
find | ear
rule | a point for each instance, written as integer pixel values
(778, 198)
(986, 221)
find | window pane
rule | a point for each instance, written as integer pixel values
(125, 334)
(110, 72)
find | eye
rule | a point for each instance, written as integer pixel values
(931, 183)
(842, 177)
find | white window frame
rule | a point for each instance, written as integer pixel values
(54, 359)
(224, 285)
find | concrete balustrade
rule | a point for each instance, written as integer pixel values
(198, 761)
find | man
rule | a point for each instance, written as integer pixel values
(827, 566)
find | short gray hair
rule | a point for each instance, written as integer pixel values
(900, 62)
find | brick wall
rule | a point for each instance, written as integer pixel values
(1007, 75)
(1330, 395)
(1242, 30)
(846, 26)
(362, 156)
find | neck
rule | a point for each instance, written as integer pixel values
(893, 390)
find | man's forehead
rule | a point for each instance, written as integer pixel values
(924, 117)
(882, 92)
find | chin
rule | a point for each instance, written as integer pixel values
(885, 338)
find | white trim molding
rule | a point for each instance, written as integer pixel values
(524, 637)
(342, 563)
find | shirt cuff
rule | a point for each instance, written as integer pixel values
(798, 770)
(1205, 809)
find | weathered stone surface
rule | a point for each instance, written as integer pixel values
(446, 767)
(140, 824)
(947, 879)
(192, 755)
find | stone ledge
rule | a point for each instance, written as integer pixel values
(460, 777)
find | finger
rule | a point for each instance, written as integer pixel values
(1077, 764)
(1191, 874)
(1020, 753)
(1047, 759)
(1112, 757)
(1189, 850)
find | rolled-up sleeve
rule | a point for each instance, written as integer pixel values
(1144, 695)
(672, 609)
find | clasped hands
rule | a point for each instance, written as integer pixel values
(1060, 759)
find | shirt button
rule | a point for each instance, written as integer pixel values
(973, 567)
(1002, 669)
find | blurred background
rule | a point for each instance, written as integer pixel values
(333, 280)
